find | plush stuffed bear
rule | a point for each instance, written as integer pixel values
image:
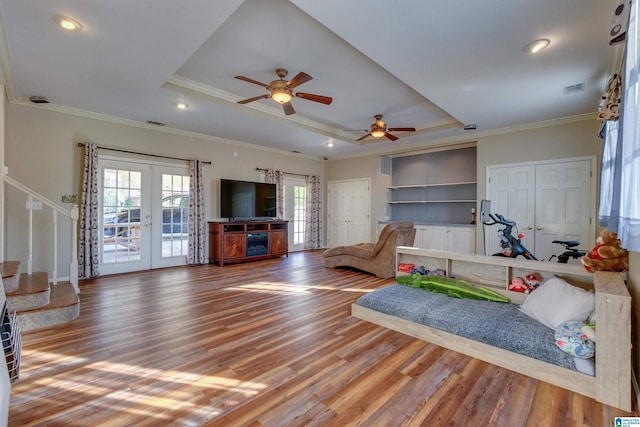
(607, 255)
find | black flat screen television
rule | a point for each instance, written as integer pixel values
(245, 200)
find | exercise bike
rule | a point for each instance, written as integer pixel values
(512, 247)
(570, 252)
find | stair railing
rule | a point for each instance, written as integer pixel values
(72, 214)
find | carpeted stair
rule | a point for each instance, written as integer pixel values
(38, 304)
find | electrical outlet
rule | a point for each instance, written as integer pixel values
(36, 205)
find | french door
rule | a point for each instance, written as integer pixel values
(144, 215)
(295, 208)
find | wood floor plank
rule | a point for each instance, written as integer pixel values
(270, 343)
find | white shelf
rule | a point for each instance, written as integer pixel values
(397, 187)
(403, 202)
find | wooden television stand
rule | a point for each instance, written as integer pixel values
(243, 241)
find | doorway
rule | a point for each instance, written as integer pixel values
(349, 209)
(295, 208)
(144, 215)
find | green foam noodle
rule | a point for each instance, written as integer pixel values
(451, 287)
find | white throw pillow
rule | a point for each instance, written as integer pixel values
(556, 301)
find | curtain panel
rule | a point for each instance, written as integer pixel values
(313, 232)
(277, 177)
(197, 225)
(620, 180)
(89, 235)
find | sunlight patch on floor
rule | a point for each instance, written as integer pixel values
(280, 288)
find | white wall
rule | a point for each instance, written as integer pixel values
(42, 153)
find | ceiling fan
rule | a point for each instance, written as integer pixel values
(379, 129)
(281, 90)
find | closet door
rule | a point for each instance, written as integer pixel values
(349, 210)
(563, 211)
(551, 200)
(512, 193)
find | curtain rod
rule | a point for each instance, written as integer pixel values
(82, 144)
(288, 173)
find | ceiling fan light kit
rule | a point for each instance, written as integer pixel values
(379, 129)
(281, 90)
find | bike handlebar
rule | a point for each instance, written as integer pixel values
(499, 219)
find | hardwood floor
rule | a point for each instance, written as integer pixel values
(269, 343)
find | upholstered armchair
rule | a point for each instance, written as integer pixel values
(377, 258)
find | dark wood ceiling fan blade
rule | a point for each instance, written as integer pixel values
(255, 98)
(299, 79)
(401, 129)
(363, 137)
(255, 82)
(315, 98)
(288, 108)
(391, 137)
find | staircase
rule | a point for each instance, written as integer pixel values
(38, 304)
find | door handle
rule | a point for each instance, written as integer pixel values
(529, 228)
(146, 224)
(539, 228)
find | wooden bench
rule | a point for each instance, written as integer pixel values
(611, 384)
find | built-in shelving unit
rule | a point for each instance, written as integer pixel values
(397, 189)
(434, 188)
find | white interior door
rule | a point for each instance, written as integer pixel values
(563, 211)
(349, 209)
(551, 200)
(144, 215)
(512, 193)
(295, 208)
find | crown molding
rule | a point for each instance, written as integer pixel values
(142, 125)
(469, 137)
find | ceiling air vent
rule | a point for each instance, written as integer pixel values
(568, 90)
(151, 122)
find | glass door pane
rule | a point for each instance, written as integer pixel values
(295, 209)
(122, 246)
(170, 225)
(175, 215)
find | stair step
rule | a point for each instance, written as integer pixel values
(63, 307)
(9, 268)
(33, 292)
(10, 276)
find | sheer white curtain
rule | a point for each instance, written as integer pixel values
(89, 236)
(197, 229)
(623, 181)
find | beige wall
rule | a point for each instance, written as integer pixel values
(42, 153)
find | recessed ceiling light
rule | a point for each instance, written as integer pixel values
(536, 46)
(182, 106)
(330, 143)
(67, 23)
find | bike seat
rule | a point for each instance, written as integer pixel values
(568, 243)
